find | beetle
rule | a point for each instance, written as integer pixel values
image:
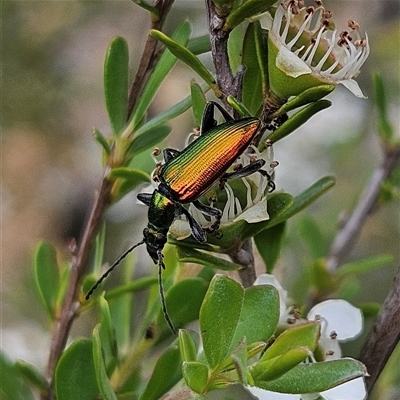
(187, 175)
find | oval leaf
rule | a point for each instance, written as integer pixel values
(189, 255)
(219, 316)
(260, 315)
(47, 276)
(304, 335)
(269, 244)
(75, 376)
(298, 119)
(196, 375)
(12, 386)
(315, 377)
(101, 375)
(167, 372)
(116, 83)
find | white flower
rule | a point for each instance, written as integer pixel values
(340, 321)
(306, 48)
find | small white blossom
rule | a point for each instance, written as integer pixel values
(309, 46)
(340, 321)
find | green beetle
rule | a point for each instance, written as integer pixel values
(186, 175)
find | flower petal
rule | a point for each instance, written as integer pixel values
(341, 317)
(291, 64)
(353, 390)
(352, 85)
(256, 213)
(262, 394)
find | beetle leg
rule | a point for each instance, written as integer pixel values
(197, 231)
(213, 212)
(245, 171)
(169, 154)
(248, 170)
(145, 198)
(208, 122)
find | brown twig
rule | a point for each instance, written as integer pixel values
(384, 336)
(149, 55)
(347, 236)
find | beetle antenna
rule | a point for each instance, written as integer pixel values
(104, 276)
(161, 266)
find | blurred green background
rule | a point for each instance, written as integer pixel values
(52, 97)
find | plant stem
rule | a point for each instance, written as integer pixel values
(229, 85)
(384, 335)
(149, 55)
(71, 301)
(347, 236)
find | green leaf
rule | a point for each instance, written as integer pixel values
(146, 6)
(304, 199)
(167, 372)
(116, 83)
(321, 278)
(184, 54)
(198, 102)
(183, 302)
(385, 128)
(107, 334)
(148, 139)
(101, 375)
(315, 377)
(348, 288)
(365, 265)
(239, 358)
(189, 255)
(162, 69)
(273, 369)
(195, 374)
(304, 335)
(99, 249)
(102, 140)
(47, 276)
(308, 96)
(278, 206)
(311, 234)
(219, 316)
(259, 315)
(200, 45)
(75, 376)
(235, 45)
(12, 386)
(254, 80)
(298, 120)
(131, 287)
(246, 10)
(31, 374)
(127, 179)
(238, 106)
(369, 310)
(269, 244)
(169, 114)
(187, 345)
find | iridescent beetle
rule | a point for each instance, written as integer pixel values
(186, 175)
